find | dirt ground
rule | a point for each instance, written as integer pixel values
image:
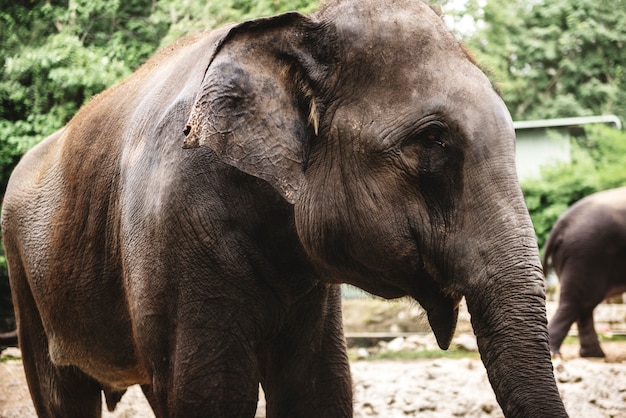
(437, 388)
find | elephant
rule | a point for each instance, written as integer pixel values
(190, 228)
(587, 250)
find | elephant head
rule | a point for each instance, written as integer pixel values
(398, 156)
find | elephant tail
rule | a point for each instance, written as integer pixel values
(552, 244)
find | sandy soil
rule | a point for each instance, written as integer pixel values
(436, 388)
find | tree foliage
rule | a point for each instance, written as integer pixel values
(556, 58)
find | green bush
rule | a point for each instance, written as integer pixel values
(598, 163)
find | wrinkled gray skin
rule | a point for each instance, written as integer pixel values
(358, 145)
(587, 249)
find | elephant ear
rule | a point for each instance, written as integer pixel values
(257, 108)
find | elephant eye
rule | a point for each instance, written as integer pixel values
(433, 137)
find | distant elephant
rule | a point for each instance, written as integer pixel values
(357, 145)
(587, 249)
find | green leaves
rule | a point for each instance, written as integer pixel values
(556, 58)
(187, 17)
(55, 57)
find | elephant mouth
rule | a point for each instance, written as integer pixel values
(442, 317)
(441, 305)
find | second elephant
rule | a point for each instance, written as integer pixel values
(587, 249)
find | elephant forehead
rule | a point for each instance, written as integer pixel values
(412, 61)
(465, 99)
(387, 30)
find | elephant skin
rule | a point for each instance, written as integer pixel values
(358, 145)
(587, 250)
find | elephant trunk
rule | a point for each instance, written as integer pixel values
(509, 320)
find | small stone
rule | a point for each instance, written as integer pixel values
(395, 344)
(362, 353)
(488, 408)
(466, 342)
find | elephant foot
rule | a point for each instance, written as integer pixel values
(592, 352)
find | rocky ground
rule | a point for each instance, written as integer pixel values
(437, 387)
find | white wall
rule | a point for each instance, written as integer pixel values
(537, 147)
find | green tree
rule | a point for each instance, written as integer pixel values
(555, 58)
(189, 16)
(56, 55)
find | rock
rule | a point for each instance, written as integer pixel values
(362, 353)
(395, 344)
(466, 342)
(423, 342)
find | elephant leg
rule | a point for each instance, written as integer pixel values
(559, 326)
(210, 372)
(223, 387)
(60, 392)
(589, 343)
(580, 294)
(305, 370)
(152, 400)
(56, 391)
